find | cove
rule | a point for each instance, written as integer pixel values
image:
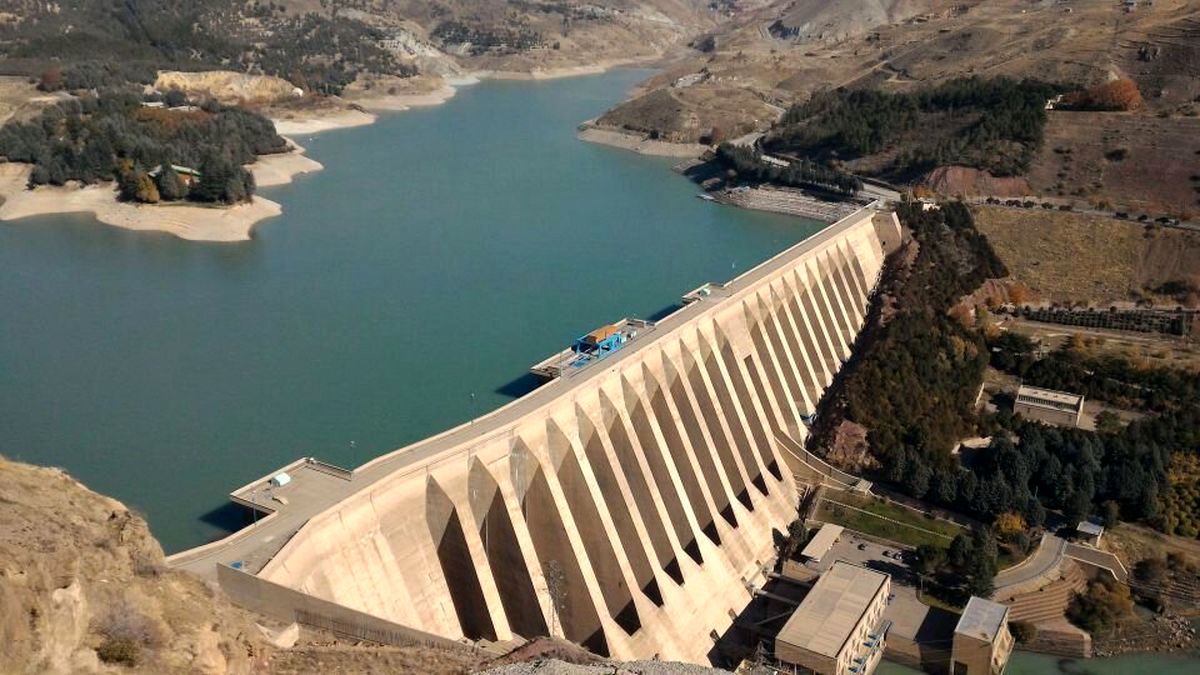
(406, 288)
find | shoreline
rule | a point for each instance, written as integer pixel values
(236, 223)
(185, 220)
(627, 140)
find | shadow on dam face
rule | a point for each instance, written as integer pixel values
(626, 458)
(580, 622)
(465, 592)
(610, 492)
(515, 586)
(586, 515)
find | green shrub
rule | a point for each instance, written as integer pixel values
(122, 650)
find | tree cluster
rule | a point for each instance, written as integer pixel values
(98, 44)
(994, 124)
(1073, 471)
(112, 136)
(484, 40)
(1105, 602)
(912, 382)
(1103, 378)
(748, 165)
(968, 567)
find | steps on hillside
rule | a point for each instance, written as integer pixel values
(1051, 601)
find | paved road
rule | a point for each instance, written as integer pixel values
(1043, 562)
(254, 546)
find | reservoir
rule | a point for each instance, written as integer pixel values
(407, 288)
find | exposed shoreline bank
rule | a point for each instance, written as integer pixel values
(626, 140)
(185, 220)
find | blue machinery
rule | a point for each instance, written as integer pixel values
(591, 347)
(600, 341)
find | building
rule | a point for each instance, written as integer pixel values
(186, 173)
(821, 542)
(839, 628)
(1047, 405)
(982, 642)
(1089, 532)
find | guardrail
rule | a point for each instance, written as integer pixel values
(327, 468)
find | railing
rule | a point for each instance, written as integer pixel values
(327, 468)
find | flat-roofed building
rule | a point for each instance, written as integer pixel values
(982, 642)
(1047, 405)
(821, 542)
(839, 628)
(1089, 532)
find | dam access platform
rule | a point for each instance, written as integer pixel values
(647, 484)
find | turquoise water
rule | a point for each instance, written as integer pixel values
(441, 253)
(1027, 663)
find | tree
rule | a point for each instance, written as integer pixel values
(1023, 631)
(51, 79)
(1107, 422)
(1010, 524)
(1111, 513)
(170, 186)
(960, 551)
(175, 98)
(1104, 603)
(135, 186)
(930, 559)
(216, 174)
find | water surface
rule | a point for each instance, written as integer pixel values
(406, 288)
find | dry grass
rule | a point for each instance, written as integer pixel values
(1135, 542)
(1136, 162)
(1065, 256)
(1074, 257)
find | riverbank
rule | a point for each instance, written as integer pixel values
(361, 107)
(282, 168)
(598, 68)
(639, 143)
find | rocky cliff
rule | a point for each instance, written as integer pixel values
(83, 589)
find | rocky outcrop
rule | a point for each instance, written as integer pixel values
(966, 181)
(228, 87)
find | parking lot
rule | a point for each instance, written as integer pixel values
(910, 618)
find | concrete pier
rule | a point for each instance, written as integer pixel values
(629, 507)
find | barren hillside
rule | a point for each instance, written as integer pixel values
(784, 52)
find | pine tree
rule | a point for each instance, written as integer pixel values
(170, 186)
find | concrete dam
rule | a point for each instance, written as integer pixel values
(630, 505)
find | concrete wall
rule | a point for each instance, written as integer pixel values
(1066, 418)
(629, 510)
(286, 604)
